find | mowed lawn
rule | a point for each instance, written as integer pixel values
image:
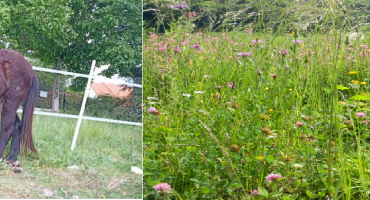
(99, 167)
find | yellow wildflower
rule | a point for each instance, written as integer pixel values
(270, 110)
(355, 82)
(290, 89)
(363, 83)
(291, 34)
(352, 72)
(267, 88)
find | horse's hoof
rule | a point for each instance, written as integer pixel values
(17, 170)
(16, 167)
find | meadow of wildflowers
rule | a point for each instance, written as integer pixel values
(247, 115)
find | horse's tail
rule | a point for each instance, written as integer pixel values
(27, 116)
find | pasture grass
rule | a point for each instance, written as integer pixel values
(104, 155)
(226, 121)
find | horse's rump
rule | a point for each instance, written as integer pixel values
(18, 84)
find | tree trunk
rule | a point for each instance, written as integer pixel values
(55, 102)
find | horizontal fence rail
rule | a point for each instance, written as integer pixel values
(95, 78)
(84, 117)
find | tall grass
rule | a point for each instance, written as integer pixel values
(226, 122)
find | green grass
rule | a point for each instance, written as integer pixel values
(250, 131)
(105, 153)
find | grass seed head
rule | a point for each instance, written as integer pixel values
(267, 130)
(234, 148)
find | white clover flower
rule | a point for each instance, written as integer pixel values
(186, 95)
(199, 92)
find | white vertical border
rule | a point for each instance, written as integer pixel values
(142, 97)
(77, 130)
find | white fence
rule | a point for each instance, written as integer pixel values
(80, 117)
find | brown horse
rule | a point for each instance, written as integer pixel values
(18, 84)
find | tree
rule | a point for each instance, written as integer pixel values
(68, 35)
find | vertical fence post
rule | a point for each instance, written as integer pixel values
(87, 89)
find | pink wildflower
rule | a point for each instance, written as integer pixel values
(162, 187)
(244, 54)
(231, 85)
(164, 48)
(273, 75)
(297, 41)
(154, 111)
(184, 43)
(196, 46)
(175, 48)
(361, 115)
(298, 124)
(259, 41)
(255, 192)
(273, 177)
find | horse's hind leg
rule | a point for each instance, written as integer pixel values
(7, 123)
(16, 141)
(15, 146)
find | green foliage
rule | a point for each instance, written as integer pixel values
(115, 28)
(73, 33)
(265, 15)
(42, 27)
